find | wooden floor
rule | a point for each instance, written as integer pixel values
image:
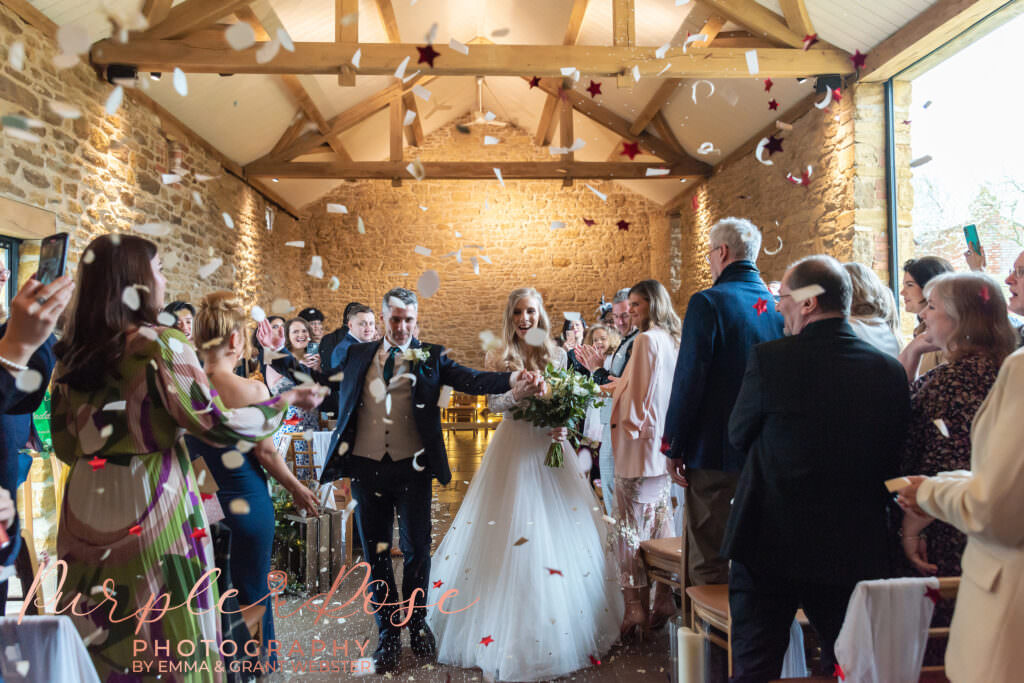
(645, 662)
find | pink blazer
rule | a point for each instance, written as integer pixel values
(639, 405)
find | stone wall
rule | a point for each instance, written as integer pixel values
(102, 173)
(571, 266)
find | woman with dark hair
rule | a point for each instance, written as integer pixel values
(642, 485)
(573, 332)
(285, 375)
(184, 316)
(132, 516)
(917, 359)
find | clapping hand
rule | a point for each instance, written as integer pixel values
(589, 356)
(268, 337)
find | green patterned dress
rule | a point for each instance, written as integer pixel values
(132, 511)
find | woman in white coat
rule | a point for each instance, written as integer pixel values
(987, 504)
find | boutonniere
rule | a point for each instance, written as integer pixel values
(416, 356)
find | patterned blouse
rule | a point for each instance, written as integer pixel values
(950, 393)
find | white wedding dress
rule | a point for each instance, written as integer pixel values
(528, 544)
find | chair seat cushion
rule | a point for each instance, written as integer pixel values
(667, 548)
(713, 598)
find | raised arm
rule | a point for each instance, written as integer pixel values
(470, 381)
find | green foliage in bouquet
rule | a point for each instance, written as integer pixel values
(563, 405)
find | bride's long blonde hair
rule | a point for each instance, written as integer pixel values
(517, 354)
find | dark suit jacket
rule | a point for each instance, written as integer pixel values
(432, 374)
(16, 427)
(721, 326)
(331, 340)
(339, 353)
(822, 417)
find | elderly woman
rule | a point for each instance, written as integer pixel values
(642, 485)
(873, 310)
(917, 358)
(985, 502)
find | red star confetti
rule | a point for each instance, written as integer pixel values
(773, 104)
(810, 39)
(486, 640)
(98, 463)
(594, 89)
(666, 447)
(552, 572)
(768, 84)
(837, 95)
(858, 59)
(761, 306)
(135, 530)
(630, 149)
(774, 145)
(292, 421)
(984, 294)
(623, 225)
(933, 595)
(534, 82)
(206, 496)
(438, 583)
(427, 54)
(838, 672)
(694, 202)
(198, 532)
(589, 222)
(594, 660)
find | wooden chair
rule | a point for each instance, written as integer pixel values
(297, 445)
(949, 586)
(59, 472)
(664, 561)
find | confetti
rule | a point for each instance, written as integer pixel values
(623, 225)
(239, 506)
(416, 170)
(116, 405)
(458, 47)
(16, 56)
(64, 61)
(297, 243)
(65, 110)
(693, 89)
(410, 116)
(337, 208)
(422, 251)
(232, 460)
(630, 149)
(759, 152)
(557, 225)
(360, 226)
(657, 171)
(520, 541)
(941, 426)
(130, 298)
(706, 148)
(228, 221)
(421, 92)
(73, 39)
(180, 82)
(316, 267)
(197, 198)
(136, 530)
(445, 397)
(594, 89)
(777, 249)
(400, 71)
(752, 65)
(333, 284)
(154, 229)
(268, 51)
(579, 143)
(240, 36)
(825, 101)
(761, 305)
(589, 222)
(660, 52)
(198, 532)
(428, 283)
(921, 161)
(357, 57)
(554, 572)
(535, 336)
(500, 32)
(804, 293)
(491, 140)
(603, 197)
(166, 319)
(285, 40)
(169, 178)
(497, 172)
(486, 640)
(427, 55)
(208, 269)
(415, 465)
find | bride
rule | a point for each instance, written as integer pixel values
(528, 543)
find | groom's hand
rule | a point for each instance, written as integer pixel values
(527, 383)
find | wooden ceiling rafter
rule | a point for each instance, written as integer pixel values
(346, 30)
(156, 11)
(414, 131)
(189, 16)
(757, 19)
(795, 12)
(470, 170)
(546, 125)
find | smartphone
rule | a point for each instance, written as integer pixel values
(312, 348)
(53, 257)
(971, 235)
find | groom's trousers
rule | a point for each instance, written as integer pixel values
(381, 489)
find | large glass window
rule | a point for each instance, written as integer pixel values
(965, 163)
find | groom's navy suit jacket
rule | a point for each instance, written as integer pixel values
(432, 374)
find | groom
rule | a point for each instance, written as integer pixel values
(388, 440)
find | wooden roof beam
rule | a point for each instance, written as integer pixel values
(797, 17)
(624, 33)
(191, 15)
(546, 125)
(156, 11)
(466, 170)
(387, 18)
(757, 19)
(493, 60)
(346, 30)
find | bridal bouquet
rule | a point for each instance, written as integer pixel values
(564, 404)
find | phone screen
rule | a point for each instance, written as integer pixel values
(971, 235)
(53, 256)
(312, 348)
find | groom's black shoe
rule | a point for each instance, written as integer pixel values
(421, 640)
(388, 652)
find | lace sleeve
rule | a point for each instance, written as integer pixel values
(498, 403)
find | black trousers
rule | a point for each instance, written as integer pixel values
(762, 609)
(381, 490)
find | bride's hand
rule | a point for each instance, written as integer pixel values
(559, 434)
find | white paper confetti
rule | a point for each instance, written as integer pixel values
(752, 65)
(169, 178)
(410, 116)
(422, 251)
(258, 314)
(114, 100)
(378, 389)
(476, 265)
(421, 92)
(232, 460)
(428, 284)
(29, 380)
(166, 319)
(286, 40)
(337, 208)
(636, 73)
(65, 110)
(557, 225)
(116, 405)
(579, 143)
(357, 57)
(416, 170)
(281, 307)
(921, 161)
(400, 71)
(360, 226)
(268, 51)
(240, 36)
(130, 298)
(16, 56)
(759, 152)
(203, 177)
(73, 39)
(333, 284)
(458, 47)
(491, 140)
(941, 426)
(154, 229)
(62, 60)
(228, 220)
(497, 172)
(693, 90)
(706, 148)
(805, 293)
(208, 269)
(180, 82)
(445, 397)
(656, 171)
(535, 336)
(660, 52)
(296, 243)
(316, 268)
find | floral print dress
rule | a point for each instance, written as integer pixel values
(132, 514)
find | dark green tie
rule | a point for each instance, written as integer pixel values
(389, 364)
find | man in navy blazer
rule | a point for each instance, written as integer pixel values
(722, 324)
(388, 440)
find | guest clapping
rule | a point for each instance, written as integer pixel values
(573, 332)
(986, 503)
(639, 404)
(125, 390)
(873, 310)
(916, 357)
